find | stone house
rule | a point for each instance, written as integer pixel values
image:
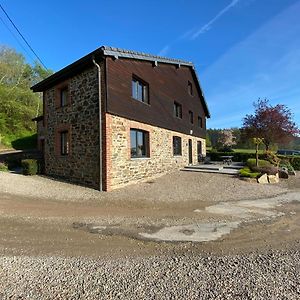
(116, 117)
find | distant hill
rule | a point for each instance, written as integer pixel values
(18, 104)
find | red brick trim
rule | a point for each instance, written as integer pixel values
(107, 163)
(58, 88)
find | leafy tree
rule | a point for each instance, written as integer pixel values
(273, 124)
(226, 139)
(18, 104)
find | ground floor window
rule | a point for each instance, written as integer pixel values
(139, 143)
(64, 142)
(177, 149)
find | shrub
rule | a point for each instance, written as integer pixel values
(264, 166)
(284, 163)
(3, 167)
(294, 160)
(237, 156)
(30, 166)
(246, 172)
(251, 163)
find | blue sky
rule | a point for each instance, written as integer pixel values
(242, 49)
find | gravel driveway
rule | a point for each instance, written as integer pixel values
(43, 255)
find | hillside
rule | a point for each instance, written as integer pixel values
(18, 104)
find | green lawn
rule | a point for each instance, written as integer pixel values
(242, 150)
(248, 151)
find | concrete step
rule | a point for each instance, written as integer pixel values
(204, 167)
(215, 171)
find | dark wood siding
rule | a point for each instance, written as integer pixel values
(167, 84)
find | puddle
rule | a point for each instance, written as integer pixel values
(200, 232)
(261, 209)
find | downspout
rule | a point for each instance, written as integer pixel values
(100, 125)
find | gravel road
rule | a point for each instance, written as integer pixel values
(175, 187)
(57, 261)
(270, 275)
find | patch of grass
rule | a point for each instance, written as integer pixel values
(30, 166)
(247, 151)
(3, 167)
(246, 172)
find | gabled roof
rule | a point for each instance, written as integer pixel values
(104, 51)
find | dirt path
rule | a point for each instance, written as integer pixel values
(112, 227)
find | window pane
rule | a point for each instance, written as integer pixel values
(63, 97)
(140, 92)
(145, 94)
(64, 140)
(176, 145)
(133, 144)
(134, 84)
(140, 142)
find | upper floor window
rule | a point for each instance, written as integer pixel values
(177, 145)
(200, 122)
(177, 110)
(140, 90)
(64, 96)
(191, 115)
(64, 142)
(190, 88)
(139, 143)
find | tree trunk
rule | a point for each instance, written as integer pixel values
(256, 155)
(267, 144)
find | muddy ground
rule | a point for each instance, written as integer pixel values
(34, 226)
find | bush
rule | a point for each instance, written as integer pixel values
(237, 156)
(246, 172)
(251, 163)
(26, 142)
(294, 160)
(30, 166)
(264, 166)
(3, 167)
(287, 165)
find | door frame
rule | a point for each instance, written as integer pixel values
(190, 152)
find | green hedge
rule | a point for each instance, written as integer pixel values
(30, 166)
(237, 156)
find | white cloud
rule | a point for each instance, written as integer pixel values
(194, 33)
(164, 50)
(208, 25)
(266, 64)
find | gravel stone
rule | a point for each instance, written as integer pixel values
(271, 275)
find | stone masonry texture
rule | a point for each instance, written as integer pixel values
(122, 169)
(81, 118)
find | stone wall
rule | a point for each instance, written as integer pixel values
(122, 169)
(81, 118)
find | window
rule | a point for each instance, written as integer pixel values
(200, 122)
(140, 90)
(139, 143)
(63, 96)
(177, 145)
(177, 110)
(190, 88)
(64, 142)
(191, 114)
